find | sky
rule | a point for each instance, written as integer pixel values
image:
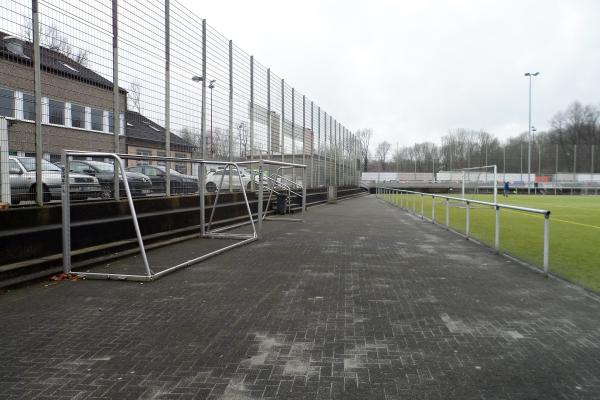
(412, 70)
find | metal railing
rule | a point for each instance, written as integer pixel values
(402, 198)
(205, 230)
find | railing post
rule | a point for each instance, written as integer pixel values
(401, 197)
(497, 233)
(432, 209)
(467, 222)
(414, 203)
(546, 243)
(447, 213)
(422, 205)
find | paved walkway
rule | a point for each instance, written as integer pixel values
(361, 301)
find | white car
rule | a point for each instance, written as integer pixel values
(213, 180)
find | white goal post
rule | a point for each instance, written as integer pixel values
(487, 174)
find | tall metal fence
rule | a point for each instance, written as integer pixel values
(117, 75)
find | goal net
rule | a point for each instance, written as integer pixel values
(479, 183)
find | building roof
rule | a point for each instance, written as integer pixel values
(51, 61)
(142, 128)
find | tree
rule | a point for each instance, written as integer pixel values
(364, 137)
(133, 96)
(382, 151)
(52, 38)
(243, 138)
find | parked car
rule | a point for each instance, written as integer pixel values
(213, 179)
(23, 181)
(139, 184)
(180, 183)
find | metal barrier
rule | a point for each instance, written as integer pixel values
(400, 199)
(277, 180)
(205, 229)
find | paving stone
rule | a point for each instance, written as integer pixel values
(360, 301)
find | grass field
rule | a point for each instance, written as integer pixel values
(574, 231)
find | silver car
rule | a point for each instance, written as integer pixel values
(23, 187)
(213, 179)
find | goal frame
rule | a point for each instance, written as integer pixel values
(495, 185)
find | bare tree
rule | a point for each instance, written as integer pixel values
(52, 38)
(364, 136)
(133, 96)
(381, 152)
(243, 139)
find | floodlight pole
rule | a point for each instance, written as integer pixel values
(530, 75)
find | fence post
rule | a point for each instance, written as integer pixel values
(282, 120)
(4, 164)
(497, 230)
(269, 132)
(37, 84)
(66, 216)
(414, 196)
(312, 145)
(319, 146)
(251, 119)
(546, 243)
(447, 213)
(203, 113)
(432, 209)
(293, 133)
(325, 180)
(167, 99)
(201, 187)
(115, 78)
(467, 220)
(303, 137)
(422, 207)
(230, 112)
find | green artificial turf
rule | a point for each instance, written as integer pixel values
(574, 230)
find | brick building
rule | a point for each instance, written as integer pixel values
(77, 102)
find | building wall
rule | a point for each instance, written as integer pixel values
(55, 138)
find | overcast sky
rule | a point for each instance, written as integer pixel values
(412, 70)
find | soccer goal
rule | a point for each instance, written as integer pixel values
(474, 180)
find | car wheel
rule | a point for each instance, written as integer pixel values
(211, 187)
(106, 191)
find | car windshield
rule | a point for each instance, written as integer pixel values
(101, 166)
(171, 171)
(29, 164)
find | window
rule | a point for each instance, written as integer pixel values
(150, 171)
(97, 117)
(29, 164)
(13, 166)
(57, 112)
(135, 169)
(7, 103)
(111, 122)
(141, 152)
(79, 167)
(28, 107)
(77, 116)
